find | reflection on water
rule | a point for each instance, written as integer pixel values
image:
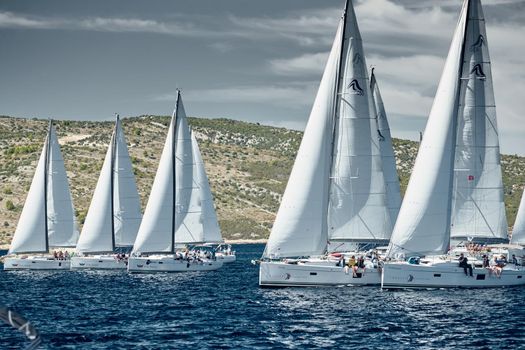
(226, 309)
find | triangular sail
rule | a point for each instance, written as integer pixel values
(156, 229)
(300, 226)
(393, 191)
(478, 209)
(211, 229)
(62, 226)
(97, 231)
(423, 224)
(126, 200)
(188, 225)
(30, 234)
(518, 231)
(357, 204)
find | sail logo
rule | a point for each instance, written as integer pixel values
(380, 136)
(478, 71)
(357, 59)
(478, 44)
(354, 88)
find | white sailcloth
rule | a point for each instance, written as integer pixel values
(61, 222)
(125, 203)
(423, 224)
(300, 228)
(357, 205)
(97, 232)
(126, 200)
(156, 229)
(518, 231)
(188, 225)
(478, 209)
(211, 229)
(30, 234)
(393, 191)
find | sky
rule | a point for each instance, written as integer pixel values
(258, 61)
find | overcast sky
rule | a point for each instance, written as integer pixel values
(243, 59)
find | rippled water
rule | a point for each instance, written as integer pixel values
(226, 309)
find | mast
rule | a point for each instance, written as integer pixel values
(46, 169)
(335, 115)
(112, 182)
(174, 155)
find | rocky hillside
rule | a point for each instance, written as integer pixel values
(248, 166)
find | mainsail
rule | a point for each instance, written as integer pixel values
(114, 215)
(47, 217)
(336, 190)
(357, 204)
(478, 209)
(393, 192)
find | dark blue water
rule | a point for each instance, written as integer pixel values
(226, 309)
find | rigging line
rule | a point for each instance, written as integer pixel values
(46, 170)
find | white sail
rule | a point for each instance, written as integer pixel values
(211, 229)
(518, 231)
(300, 228)
(357, 204)
(62, 226)
(478, 209)
(97, 232)
(393, 192)
(188, 225)
(30, 234)
(126, 199)
(156, 229)
(423, 224)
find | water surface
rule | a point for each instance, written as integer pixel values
(226, 309)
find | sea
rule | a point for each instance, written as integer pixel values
(226, 309)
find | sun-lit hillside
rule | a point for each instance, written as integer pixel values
(247, 164)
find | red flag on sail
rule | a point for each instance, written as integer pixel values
(471, 177)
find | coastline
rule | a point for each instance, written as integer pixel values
(246, 241)
(227, 241)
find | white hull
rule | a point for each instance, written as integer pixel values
(321, 273)
(97, 262)
(166, 263)
(36, 263)
(226, 258)
(446, 274)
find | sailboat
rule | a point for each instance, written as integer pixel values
(455, 189)
(336, 193)
(47, 220)
(114, 216)
(518, 231)
(177, 215)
